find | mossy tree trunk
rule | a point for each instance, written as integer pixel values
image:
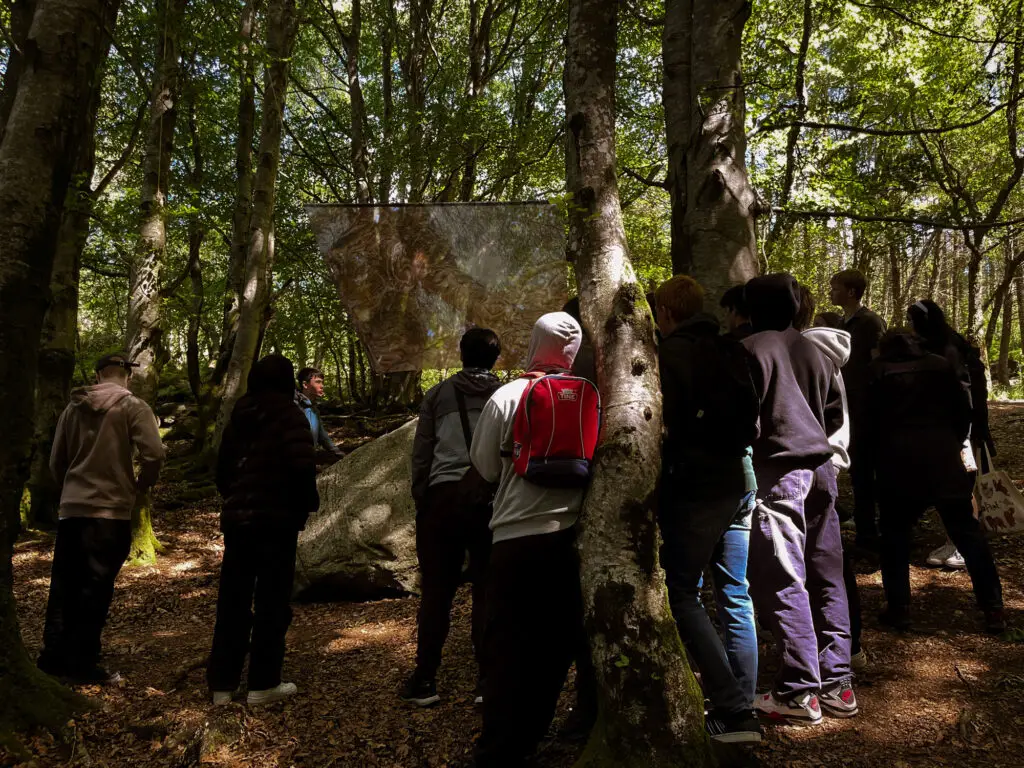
(651, 710)
(47, 124)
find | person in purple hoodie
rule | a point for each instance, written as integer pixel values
(796, 555)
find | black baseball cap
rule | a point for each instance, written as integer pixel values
(120, 359)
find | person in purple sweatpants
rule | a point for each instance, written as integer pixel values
(796, 556)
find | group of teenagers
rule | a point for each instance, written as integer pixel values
(758, 421)
(759, 418)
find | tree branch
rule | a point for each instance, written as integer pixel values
(911, 219)
(921, 25)
(649, 180)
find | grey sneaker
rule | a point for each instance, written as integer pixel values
(839, 700)
(938, 557)
(282, 691)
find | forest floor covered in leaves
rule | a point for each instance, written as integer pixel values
(945, 694)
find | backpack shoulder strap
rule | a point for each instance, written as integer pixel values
(467, 433)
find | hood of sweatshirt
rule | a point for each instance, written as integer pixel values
(773, 302)
(99, 398)
(476, 381)
(901, 346)
(555, 340)
(834, 343)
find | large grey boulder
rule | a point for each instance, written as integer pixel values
(361, 544)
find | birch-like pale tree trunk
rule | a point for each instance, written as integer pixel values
(650, 706)
(282, 26)
(713, 203)
(48, 120)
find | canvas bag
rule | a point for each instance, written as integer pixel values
(1000, 504)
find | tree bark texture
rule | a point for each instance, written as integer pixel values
(360, 160)
(1003, 365)
(145, 341)
(650, 706)
(282, 25)
(716, 226)
(243, 187)
(48, 120)
(21, 19)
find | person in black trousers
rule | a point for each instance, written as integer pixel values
(919, 416)
(452, 509)
(266, 474)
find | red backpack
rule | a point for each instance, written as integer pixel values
(555, 430)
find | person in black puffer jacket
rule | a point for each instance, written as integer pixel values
(266, 474)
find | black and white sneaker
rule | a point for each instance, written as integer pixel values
(733, 727)
(422, 693)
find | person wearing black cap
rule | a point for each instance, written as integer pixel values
(266, 475)
(795, 544)
(91, 461)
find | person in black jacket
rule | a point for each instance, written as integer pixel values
(737, 315)
(920, 415)
(707, 498)
(449, 525)
(266, 475)
(795, 544)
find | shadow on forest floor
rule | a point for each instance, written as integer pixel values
(942, 695)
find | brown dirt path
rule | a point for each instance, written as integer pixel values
(943, 695)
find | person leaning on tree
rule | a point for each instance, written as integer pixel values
(91, 460)
(266, 475)
(865, 329)
(706, 499)
(451, 516)
(310, 391)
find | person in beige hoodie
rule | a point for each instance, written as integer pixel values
(98, 436)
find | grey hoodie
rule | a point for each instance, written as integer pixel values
(522, 508)
(836, 345)
(92, 452)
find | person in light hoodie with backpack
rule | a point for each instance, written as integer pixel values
(534, 603)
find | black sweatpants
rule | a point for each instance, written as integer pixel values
(898, 517)
(253, 607)
(87, 557)
(534, 609)
(446, 530)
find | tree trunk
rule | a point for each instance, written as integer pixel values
(650, 705)
(145, 341)
(1003, 366)
(48, 121)
(196, 235)
(360, 163)
(386, 161)
(20, 20)
(243, 188)
(1019, 283)
(676, 54)
(717, 228)
(282, 25)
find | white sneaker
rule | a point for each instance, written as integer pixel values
(859, 661)
(283, 691)
(938, 557)
(221, 698)
(955, 561)
(802, 710)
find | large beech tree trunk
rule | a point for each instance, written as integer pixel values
(282, 25)
(48, 120)
(145, 323)
(243, 187)
(713, 203)
(650, 706)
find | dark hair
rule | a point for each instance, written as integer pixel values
(735, 299)
(273, 373)
(480, 348)
(852, 280)
(572, 307)
(308, 373)
(829, 320)
(805, 312)
(929, 322)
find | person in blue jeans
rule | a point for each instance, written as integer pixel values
(710, 416)
(728, 569)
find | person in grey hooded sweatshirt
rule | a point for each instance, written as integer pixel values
(92, 462)
(451, 515)
(534, 605)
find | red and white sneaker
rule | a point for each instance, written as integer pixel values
(839, 700)
(801, 710)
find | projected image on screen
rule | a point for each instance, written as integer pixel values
(414, 278)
